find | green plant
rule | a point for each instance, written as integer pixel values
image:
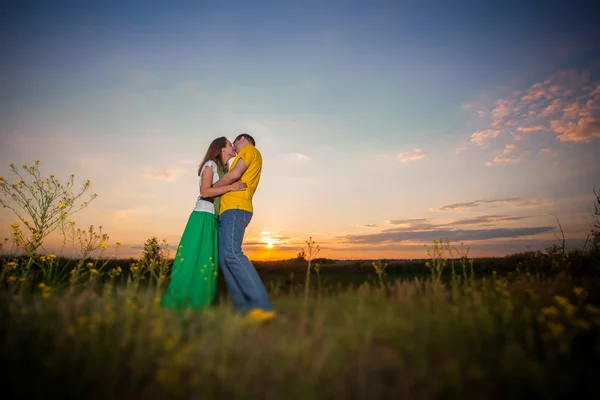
(380, 271)
(40, 203)
(313, 250)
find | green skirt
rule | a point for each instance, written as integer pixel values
(194, 274)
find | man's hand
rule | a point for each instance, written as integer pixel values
(237, 186)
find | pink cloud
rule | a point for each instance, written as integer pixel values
(532, 128)
(507, 157)
(479, 138)
(584, 130)
(416, 154)
(566, 104)
(509, 148)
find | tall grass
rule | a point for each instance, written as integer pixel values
(500, 336)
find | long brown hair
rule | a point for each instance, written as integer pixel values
(214, 154)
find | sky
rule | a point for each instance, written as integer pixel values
(383, 125)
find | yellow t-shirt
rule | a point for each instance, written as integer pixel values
(242, 199)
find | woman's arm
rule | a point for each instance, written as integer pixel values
(233, 175)
(206, 185)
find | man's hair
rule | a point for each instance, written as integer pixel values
(248, 138)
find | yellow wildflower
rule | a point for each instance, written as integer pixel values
(579, 291)
(11, 279)
(118, 243)
(556, 329)
(14, 225)
(51, 175)
(104, 245)
(61, 206)
(24, 165)
(562, 301)
(550, 311)
(89, 265)
(42, 258)
(42, 181)
(93, 271)
(570, 310)
(51, 256)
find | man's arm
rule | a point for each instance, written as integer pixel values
(233, 175)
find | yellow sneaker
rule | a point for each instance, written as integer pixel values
(256, 315)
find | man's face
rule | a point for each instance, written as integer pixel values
(239, 142)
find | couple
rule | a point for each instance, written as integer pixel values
(214, 233)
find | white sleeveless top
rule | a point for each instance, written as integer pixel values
(203, 205)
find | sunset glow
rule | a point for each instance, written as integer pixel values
(380, 129)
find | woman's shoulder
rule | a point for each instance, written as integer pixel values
(210, 163)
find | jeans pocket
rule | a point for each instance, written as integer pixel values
(246, 218)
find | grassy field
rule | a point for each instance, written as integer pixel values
(517, 327)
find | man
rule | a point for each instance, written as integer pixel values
(245, 286)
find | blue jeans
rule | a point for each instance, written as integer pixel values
(243, 283)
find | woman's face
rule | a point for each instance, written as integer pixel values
(228, 151)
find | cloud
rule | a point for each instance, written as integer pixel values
(298, 157)
(166, 175)
(584, 130)
(406, 221)
(488, 220)
(479, 138)
(416, 154)
(566, 104)
(368, 226)
(509, 148)
(507, 157)
(415, 223)
(454, 235)
(513, 202)
(532, 128)
(481, 227)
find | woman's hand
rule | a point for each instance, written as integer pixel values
(237, 186)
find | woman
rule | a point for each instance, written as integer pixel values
(194, 274)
